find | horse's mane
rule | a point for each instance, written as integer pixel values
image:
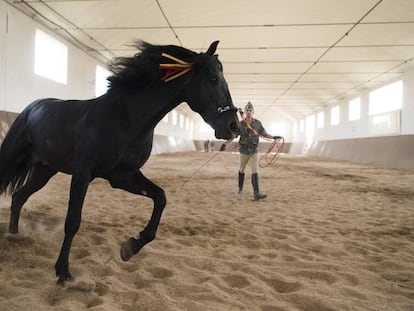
(143, 68)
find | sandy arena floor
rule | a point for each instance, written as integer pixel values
(330, 236)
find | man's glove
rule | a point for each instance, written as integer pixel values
(223, 147)
(277, 137)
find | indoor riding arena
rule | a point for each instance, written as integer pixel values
(323, 221)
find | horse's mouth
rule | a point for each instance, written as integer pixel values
(235, 128)
(228, 128)
(230, 134)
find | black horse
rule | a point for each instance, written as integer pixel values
(111, 136)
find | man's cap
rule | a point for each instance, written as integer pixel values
(249, 106)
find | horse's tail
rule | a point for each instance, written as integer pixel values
(15, 156)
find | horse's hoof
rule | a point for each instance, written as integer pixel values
(13, 230)
(62, 279)
(127, 249)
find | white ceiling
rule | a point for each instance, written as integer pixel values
(290, 58)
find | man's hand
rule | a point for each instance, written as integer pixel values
(277, 137)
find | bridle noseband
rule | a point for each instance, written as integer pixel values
(226, 108)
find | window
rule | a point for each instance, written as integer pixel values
(181, 121)
(320, 120)
(277, 128)
(310, 125)
(172, 141)
(174, 117)
(101, 84)
(309, 128)
(354, 109)
(301, 125)
(385, 99)
(388, 123)
(335, 115)
(51, 58)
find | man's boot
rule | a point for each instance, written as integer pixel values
(255, 182)
(241, 182)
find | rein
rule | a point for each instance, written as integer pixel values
(271, 155)
(174, 70)
(220, 111)
(197, 170)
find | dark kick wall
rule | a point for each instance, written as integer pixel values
(161, 144)
(292, 148)
(6, 119)
(388, 151)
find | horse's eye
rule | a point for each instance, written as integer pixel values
(213, 78)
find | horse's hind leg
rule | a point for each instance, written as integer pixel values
(139, 184)
(39, 177)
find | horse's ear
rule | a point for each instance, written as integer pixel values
(212, 49)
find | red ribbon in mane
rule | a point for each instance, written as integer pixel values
(174, 70)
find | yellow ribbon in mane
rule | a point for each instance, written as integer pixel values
(174, 70)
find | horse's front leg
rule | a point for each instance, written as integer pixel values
(78, 188)
(139, 184)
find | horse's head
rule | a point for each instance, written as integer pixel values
(208, 94)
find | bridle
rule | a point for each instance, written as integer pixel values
(179, 68)
(226, 108)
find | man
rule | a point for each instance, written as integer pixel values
(250, 131)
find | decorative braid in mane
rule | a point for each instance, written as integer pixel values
(143, 68)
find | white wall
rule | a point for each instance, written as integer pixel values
(3, 51)
(202, 131)
(19, 84)
(407, 117)
(168, 129)
(360, 128)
